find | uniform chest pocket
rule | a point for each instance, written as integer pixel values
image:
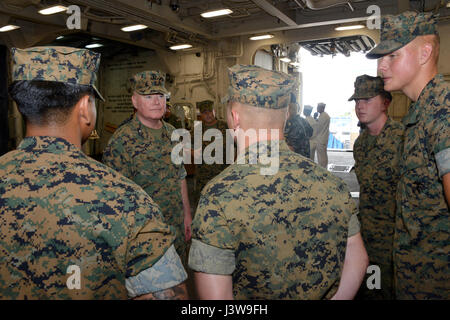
(418, 168)
(414, 152)
(153, 165)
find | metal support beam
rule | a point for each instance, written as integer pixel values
(272, 10)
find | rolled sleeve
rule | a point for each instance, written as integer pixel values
(354, 226)
(443, 162)
(209, 259)
(182, 174)
(164, 274)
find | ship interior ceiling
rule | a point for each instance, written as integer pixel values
(179, 21)
(199, 72)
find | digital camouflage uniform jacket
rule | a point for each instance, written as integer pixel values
(59, 208)
(297, 133)
(377, 169)
(137, 153)
(422, 238)
(280, 236)
(205, 172)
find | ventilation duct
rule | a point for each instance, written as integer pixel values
(324, 4)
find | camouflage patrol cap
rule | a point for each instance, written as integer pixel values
(206, 105)
(367, 87)
(399, 30)
(259, 87)
(59, 64)
(149, 82)
(308, 107)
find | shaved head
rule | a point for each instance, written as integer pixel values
(259, 118)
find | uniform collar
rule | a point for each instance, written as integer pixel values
(144, 131)
(50, 144)
(422, 102)
(383, 134)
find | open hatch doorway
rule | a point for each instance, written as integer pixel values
(330, 79)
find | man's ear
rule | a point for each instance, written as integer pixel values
(236, 118)
(133, 100)
(425, 53)
(82, 106)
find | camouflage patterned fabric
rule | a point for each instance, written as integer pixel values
(62, 64)
(58, 208)
(205, 172)
(377, 169)
(286, 232)
(367, 87)
(422, 240)
(399, 30)
(149, 82)
(297, 133)
(206, 105)
(143, 155)
(259, 87)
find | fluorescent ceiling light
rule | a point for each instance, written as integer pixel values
(134, 27)
(216, 13)
(354, 27)
(60, 37)
(52, 10)
(295, 64)
(9, 27)
(94, 45)
(265, 36)
(180, 46)
(285, 59)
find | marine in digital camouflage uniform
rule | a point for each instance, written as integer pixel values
(274, 236)
(377, 152)
(421, 240)
(60, 209)
(171, 118)
(297, 133)
(143, 154)
(205, 172)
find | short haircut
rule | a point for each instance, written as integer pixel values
(44, 102)
(260, 118)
